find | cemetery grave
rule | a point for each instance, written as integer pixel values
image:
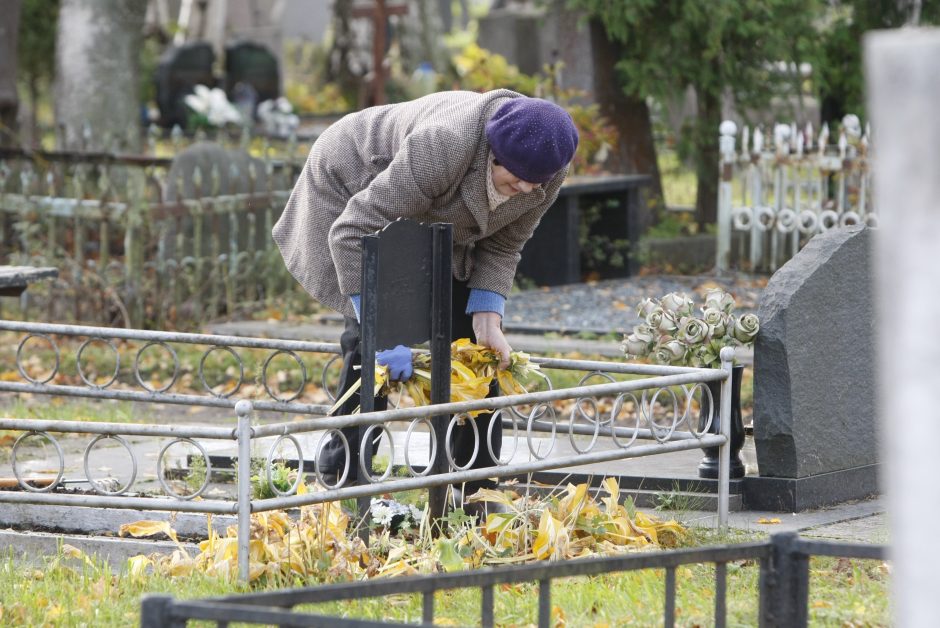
(186, 464)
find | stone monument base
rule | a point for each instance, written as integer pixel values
(814, 491)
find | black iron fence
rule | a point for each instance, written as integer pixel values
(784, 584)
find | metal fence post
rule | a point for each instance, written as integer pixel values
(757, 201)
(724, 426)
(784, 584)
(154, 611)
(728, 129)
(441, 306)
(243, 410)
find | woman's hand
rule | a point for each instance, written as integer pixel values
(489, 333)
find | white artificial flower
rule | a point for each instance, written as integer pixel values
(718, 299)
(634, 346)
(746, 328)
(678, 303)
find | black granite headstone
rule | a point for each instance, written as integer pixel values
(180, 69)
(250, 64)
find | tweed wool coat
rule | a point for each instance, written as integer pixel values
(425, 160)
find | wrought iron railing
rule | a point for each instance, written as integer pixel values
(637, 410)
(784, 582)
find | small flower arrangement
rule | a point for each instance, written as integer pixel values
(671, 333)
(211, 108)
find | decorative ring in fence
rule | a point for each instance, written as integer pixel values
(449, 448)
(872, 220)
(690, 396)
(176, 366)
(160, 470)
(81, 371)
(95, 484)
(584, 382)
(19, 363)
(786, 220)
(326, 388)
(849, 219)
(548, 383)
(316, 465)
(432, 435)
(528, 432)
(615, 412)
(742, 218)
(809, 222)
(241, 372)
(571, 423)
(766, 217)
(367, 473)
(660, 432)
(303, 375)
(270, 463)
(16, 472)
(498, 420)
(828, 219)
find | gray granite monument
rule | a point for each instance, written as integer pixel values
(814, 383)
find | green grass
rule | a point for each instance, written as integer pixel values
(679, 181)
(69, 592)
(69, 409)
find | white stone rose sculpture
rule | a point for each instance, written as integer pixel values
(672, 335)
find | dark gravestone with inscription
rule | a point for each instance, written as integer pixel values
(253, 65)
(180, 70)
(406, 299)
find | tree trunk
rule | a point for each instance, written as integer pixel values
(706, 163)
(9, 103)
(96, 74)
(635, 152)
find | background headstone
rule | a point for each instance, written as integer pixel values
(532, 37)
(221, 171)
(251, 64)
(814, 383)
(231, 165)
(182, 68)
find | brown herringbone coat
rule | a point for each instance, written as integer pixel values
(425, 160)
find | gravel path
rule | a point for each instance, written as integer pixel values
(609, 306)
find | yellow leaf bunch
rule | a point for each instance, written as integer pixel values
(315, 545)
(472, 369)
(320, 546)
(573, 525)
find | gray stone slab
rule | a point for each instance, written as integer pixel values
(815, 491)
(814, 404)
(19, 277)
(104, 521)
(32, 548)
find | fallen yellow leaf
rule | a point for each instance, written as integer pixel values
(139, 529)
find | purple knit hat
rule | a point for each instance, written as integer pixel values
(532, 138)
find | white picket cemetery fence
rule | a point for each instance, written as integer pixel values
(780, 194)
(655, 413)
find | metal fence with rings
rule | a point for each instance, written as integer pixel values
(778, 194)
(605, 422)
(783, 587)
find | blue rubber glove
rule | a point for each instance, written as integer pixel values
(398, 361)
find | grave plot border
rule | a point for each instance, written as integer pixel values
(783, 586)
(657, 380)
